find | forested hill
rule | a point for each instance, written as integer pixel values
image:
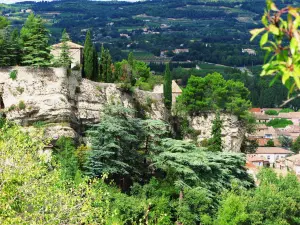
(154, 26)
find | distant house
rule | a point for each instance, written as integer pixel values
(249, 51)
(271, 153)
(124, 35)
(257, 161)
(176, 90)
(76, 52)
(178, 51)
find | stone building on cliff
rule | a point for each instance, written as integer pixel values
(76, 52)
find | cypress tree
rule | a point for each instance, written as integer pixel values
(106, 73)
(95, 76)
(168, 87)
(101, 65)
(88, 56)
(109, 68)
(215, 143)
(34, 38)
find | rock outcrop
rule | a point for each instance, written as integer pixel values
(66, 102)
(233, 130)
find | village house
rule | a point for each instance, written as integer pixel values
(271, 154)
(181, 50)
(176, 90)
(76, 52)
(257, 160)
(249, 51)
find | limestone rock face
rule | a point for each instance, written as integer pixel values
(52, 95)
(69, 102)
(232, 132)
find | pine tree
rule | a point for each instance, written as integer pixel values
(65, 59)
(168, 87)
(215, 143)
(35, 46)
(88, 56)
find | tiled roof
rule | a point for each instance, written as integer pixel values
(70, 44)
(272, 150)
(255, 110)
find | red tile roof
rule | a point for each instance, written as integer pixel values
(272, 150)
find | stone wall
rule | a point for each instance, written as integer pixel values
(69, 103)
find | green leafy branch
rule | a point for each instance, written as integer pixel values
(281, 41)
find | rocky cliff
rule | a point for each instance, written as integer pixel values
(67, 103)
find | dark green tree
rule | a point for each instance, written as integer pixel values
(270, 143)
(296, 145)
(65, 59)
(35, 43)
(95, 76)
(285, 141)
(168, 87)
(106, 73)
(115, 144)
(215, 142)
(88, 54)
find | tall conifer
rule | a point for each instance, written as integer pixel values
(88, 56)
(168, 87)
(35, 42)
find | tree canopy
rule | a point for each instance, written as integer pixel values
(213, 92)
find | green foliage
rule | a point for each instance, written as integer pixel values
(88, 54)
(272, 112)
(21, 105)
(286, 110)
(39, 124)
(285, 141)
(106, 67)
(13, 74)
(270, 143)
(249, 146)
(215, 142)
(296, 145)
(214, 93)
(64, 59)
(34, 41)
(274, 201)
(3, 22)
(168, 87)
(281, 43)
(279, 123)
(65, 156)
(115, 144)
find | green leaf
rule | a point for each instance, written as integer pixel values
(294, 46)
(256, 32)
(273, 29)
(264, 39)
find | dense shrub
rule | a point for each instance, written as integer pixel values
(279, 123)
(286, 110)
(271, 112)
